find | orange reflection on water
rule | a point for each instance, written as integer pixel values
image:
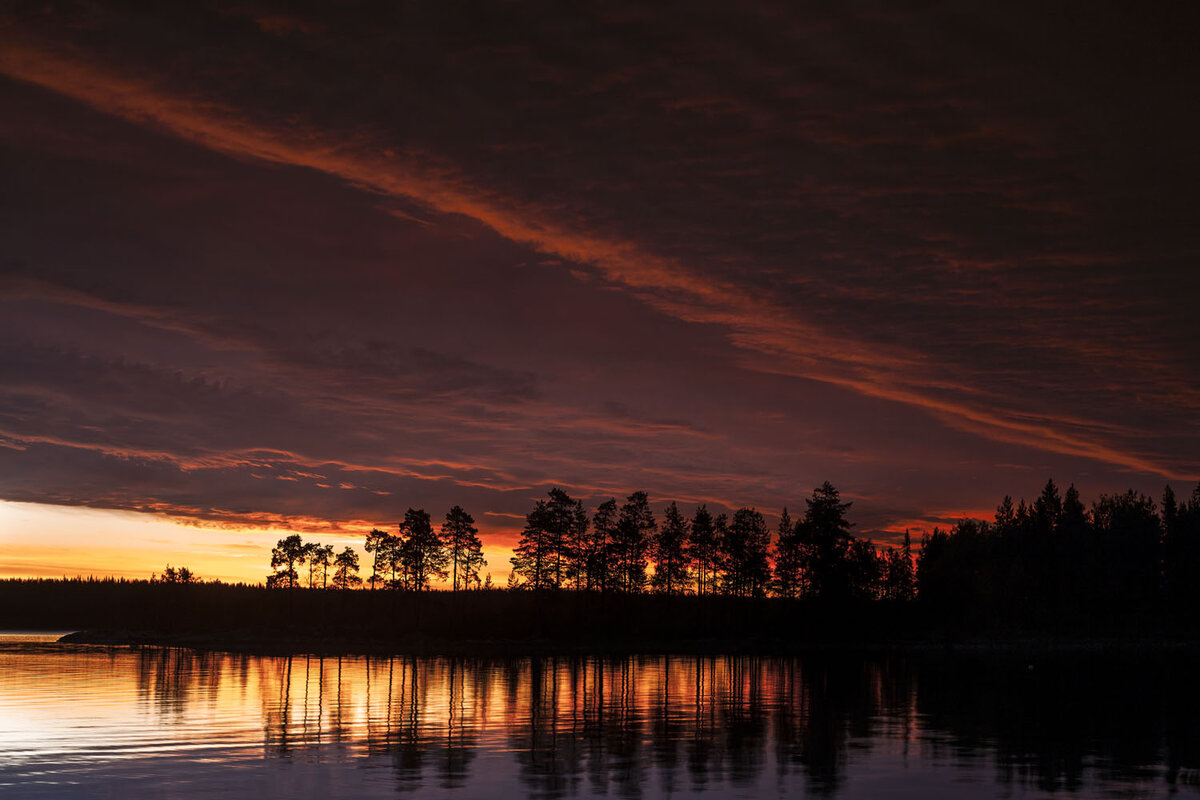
(132, 720)
(568, 721)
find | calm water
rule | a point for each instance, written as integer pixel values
(86, 721)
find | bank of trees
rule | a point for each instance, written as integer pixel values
(1050, 561)
(1055, 562)
(417, 555)
(623, 548)
(412, 558)
(292, 554)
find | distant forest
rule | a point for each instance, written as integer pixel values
(1035, 565)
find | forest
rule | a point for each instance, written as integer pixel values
(617, 577)
(1047, 563)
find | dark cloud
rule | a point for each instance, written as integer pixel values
(430, 253)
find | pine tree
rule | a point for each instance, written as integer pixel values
(1006, 516)
(899, 576)
(600, 543)
(744, 550)
(717, 580)
(866, 570)
(632, 540)
(321, 557)
(533, 556)
(422, 553)
(286, 554)
(1047, 509)
(567, 528)
(463, 548)
(379, 545)
(702, 549)
(670, 559)
(829, 536)
(345, 569)
(789, 557)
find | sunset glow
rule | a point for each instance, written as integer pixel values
(267, 272)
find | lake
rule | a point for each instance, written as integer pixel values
(93, 721)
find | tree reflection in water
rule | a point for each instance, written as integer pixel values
(615, 725)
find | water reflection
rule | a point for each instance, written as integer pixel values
(98, 718)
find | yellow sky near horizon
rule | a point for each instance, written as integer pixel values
(48, 541)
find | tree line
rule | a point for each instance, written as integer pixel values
(412, 558)
(293, 553)
(1054, 561)
(625, 549)
(1052, 558)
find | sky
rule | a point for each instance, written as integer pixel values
(274, 267)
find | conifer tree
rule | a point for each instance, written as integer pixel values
(631, 542)
(669, 553)
(422, 554)
(286, 554)
(321, 557)
(345, 569)
(463, 548)
(899, 574)
(533, 557)
(720, 562)
(829, 536)
(702, 548)
(600, 544)
(379, 545)
(744, 554)
(567, 523)
(789, 557)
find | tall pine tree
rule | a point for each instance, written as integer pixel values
(670, 558)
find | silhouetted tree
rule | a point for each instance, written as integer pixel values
(931, 559)
(599, 555)
(175, 575)
(702, 549)
(567, 524)
(345, 569)
(790, 557)
(286, 554)
(865, 570)
(720, 525)
(744, 550)
(533, 557)
(670, 559)
(423, 555)
(1129, 529)
(319, 558)
(380, 544)
(308, 551)
(900, 578)
(1048, 508)
(1006, 516)
(631, 542)
(1073, 519)
(463, 547)
(1071, 554)
(828, 532)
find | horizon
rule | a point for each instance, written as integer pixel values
(254, 544)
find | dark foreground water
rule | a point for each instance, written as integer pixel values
(86, 721)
